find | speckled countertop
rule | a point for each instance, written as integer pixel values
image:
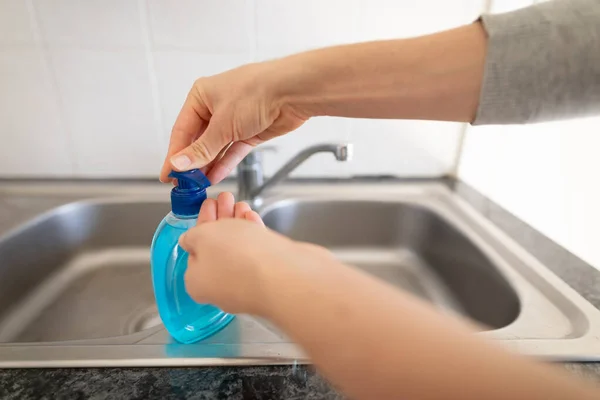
(275, 382)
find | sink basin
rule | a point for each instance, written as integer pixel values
(407, 245)
(75, 287)
(80, 272)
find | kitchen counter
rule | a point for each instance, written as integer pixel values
(273, 382)
(167, 383)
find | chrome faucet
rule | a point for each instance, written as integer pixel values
(250, 177)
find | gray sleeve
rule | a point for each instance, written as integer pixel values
(542, 63)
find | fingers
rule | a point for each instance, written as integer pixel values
(228, 161)
(208, 167)
(212, 210)
(253, 216)
(208, 211)
(191, 122)
(241, 209)
(206, 148)
(186, 241)
(225, 205)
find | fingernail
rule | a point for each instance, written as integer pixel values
(181, 162)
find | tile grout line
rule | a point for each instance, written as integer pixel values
(54, 87)
(146, 31)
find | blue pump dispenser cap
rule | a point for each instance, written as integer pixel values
(190, 192)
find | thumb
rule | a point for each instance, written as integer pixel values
(205, 149)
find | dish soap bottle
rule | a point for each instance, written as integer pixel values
(186, 320)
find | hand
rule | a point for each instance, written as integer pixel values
(226, 207)
(228, 251)
(224, 117)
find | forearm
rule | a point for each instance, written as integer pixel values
(373, 341)
(535, 64)
(435, 77)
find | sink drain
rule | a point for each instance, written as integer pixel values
(144, 319)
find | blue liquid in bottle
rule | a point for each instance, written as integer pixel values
(184, 319)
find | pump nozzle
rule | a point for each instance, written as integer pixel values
(189, 194)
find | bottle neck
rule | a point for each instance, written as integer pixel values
(181, 222)
(183, 217)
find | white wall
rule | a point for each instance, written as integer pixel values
(91, 88)
(546, 174)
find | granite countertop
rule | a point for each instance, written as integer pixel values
(266, 382)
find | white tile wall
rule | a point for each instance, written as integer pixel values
(294, 25)
(106, 79)
(388, 19)
(404, 148)
(15, 24)
(112, 117)
(34, 141)
(90, 24)
(213, 27)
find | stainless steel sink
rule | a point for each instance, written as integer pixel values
(408, 245)
(75, 285)
(79, 272)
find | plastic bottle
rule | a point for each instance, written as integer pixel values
(184, 319)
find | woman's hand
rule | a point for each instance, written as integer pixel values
(224, 117)
(233, 257)
(226, 207)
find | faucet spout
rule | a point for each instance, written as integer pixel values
(342, 152)
(250, 176)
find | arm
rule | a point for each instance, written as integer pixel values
(369, 339)
(534, 64)
(376, 342)
(434, 77)
(431, 77)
